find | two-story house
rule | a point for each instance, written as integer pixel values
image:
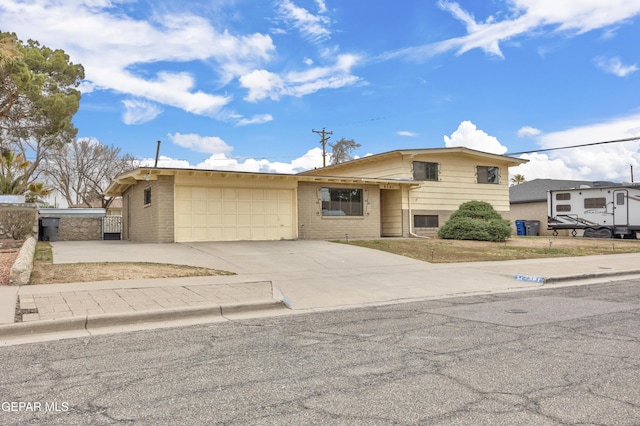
(443, 178)
(397, 193)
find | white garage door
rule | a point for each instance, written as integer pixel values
(233, 214)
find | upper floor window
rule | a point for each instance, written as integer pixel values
(425, 171)
(342, 202)
(488, 174)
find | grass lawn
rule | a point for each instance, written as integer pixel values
(436, 250)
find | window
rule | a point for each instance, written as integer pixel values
(488, 174)
(425, 221)
(564, 196)
(620, 198)
(595, 203)
(147, 196)
(563, 208)
(342, 202)
(425, 171)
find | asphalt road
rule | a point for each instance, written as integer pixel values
(558, 356)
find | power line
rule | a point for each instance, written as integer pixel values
(574, 146)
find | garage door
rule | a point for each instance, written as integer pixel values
(233, 214)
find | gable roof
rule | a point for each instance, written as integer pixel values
(399, 153)
(536, 190)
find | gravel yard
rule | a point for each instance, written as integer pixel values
(7, 257)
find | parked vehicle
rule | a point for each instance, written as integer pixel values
(602, 212)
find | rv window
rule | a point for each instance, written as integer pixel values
(620, 198)
(563, 196)
(595, 203)
(563, 208)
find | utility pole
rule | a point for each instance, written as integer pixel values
(323, 142)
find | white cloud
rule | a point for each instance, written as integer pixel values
(598, 162)
(322, 6)
(139, 112)
(256, 119)
(615, 66)
(220, 161)
(264, 84)
(468, 135)
(528, 131)
(313, 27)
(406, 133)
(115, 57)
(525, 17)
(207, 144)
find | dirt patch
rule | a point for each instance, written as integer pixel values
(7, 258)
(47, 273)
(436, 250)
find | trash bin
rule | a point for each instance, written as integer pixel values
(533, 227)
(49, 228)
(521, 228)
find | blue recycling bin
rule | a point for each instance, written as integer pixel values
(521, 228)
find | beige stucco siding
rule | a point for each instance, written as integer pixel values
(219, 209)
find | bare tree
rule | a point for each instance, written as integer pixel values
(82, 170)
(341, 150)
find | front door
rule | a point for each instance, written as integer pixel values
(620, 207)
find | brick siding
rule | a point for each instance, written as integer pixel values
(312, 225)
(151, 223)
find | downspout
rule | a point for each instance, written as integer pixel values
(413, 234)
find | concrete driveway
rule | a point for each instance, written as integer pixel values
(324, 275)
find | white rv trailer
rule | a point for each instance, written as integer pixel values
(602, 212)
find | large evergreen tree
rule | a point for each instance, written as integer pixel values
(38, 98)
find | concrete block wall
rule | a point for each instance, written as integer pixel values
(312, 225)
(78, 227)
(153, 223)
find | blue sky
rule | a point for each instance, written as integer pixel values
(241, 84)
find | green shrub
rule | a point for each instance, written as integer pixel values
(476, 220)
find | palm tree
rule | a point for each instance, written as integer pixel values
(37, 192)
(517, 179)
(13, 168)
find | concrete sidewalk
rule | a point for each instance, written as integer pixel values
(272, 278)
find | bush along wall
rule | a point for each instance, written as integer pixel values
(18, 221)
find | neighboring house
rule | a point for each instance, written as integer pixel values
(529, 199)
(396, 194)
(114, 209)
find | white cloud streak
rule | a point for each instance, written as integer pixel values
(615, 66)
(525, 17)
(313, 27)
(406, 133)
(139, 112)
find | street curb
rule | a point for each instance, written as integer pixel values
(129, 318)
(589, 276)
